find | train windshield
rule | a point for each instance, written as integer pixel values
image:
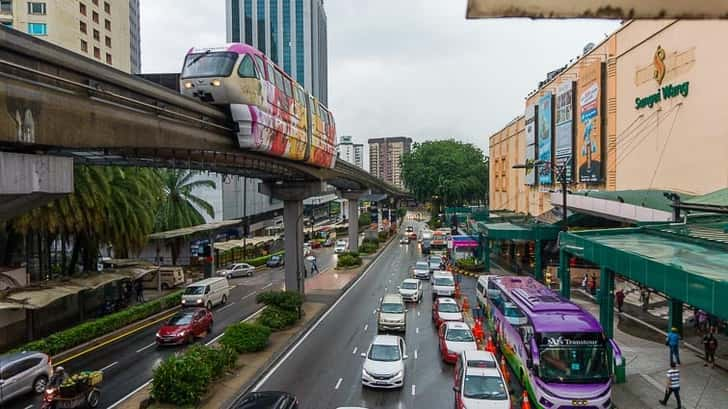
(573, 358)
(207, 64)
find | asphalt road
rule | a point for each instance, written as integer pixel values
(128, 363)
(324, 371)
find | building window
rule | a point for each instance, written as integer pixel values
(107, 8)
(97, 36)
(82, 27)
(262, 34)
(37, 29)
(84, 46)
(107, 24)
(108, 59)
(107, 41)
(82, 8)
(8, 24)
(6, 7)
(300, 64)
(95, 17)
(97, 52)
(235, 15)
(248, 21)
(37, 9)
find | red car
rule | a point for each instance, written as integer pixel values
(454, 338)
(413, 236)
(185, 326)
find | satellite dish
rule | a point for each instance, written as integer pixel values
(588, 47)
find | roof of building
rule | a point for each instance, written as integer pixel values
(718, 198)
(188, 231)
(650, 198)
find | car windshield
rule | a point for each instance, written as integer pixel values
(484, 387)
(195, 290)
(209, 64)
(576, 364)
(422, 266)
(386, 353)
(435, 260)
(181, 319)
(275, 258)
(448, 307)
(512, 312)
(444, 281)
(459, 335)
(230, 266)
(409, 286)
(392, 308)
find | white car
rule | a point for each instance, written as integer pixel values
(435, 263)
(384, 363)
(479, 383)
(340, 246)
(443, 285)
(444, 310)
(455, 337)
(237, 270)
(421, 270)
(404, 240)
(411, 290)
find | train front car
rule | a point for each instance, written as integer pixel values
(271, 110)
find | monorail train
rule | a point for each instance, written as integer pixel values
(274, 113)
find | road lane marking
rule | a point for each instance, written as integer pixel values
(108, 366)
(146, 347)
(354, 351)
(366, 326)
(418, 313)
(380, 299)
(313, 328)
(248, 318)
(653, 382)
(338, 383)
(374, 312)
(267, 286)
(249, 295)
(413, 389)
(417, 330)
(29, 407)
(415, 354)
(385, 289)
(226, 307)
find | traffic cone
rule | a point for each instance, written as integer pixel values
(524, 402)
(466, 304)
(457, 290)
(504, 369)
(490, 346)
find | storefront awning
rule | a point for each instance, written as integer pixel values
(189, 231)
(464, 241)
(519, 231)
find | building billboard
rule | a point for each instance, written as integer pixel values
(564, 140)
(545, 135)
(531, 123)
(589, 126)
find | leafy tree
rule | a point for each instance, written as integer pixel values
(448, 172)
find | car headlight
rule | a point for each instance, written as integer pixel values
(366, 374)
(157, 334)
(399, 374)
(216, 83)
(189, 85)
(199, 301)
(184, 301)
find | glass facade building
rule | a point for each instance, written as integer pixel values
(291, 32)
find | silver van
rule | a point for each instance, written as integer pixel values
(206, 293)
(23, 372)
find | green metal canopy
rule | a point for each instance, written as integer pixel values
(519, 231)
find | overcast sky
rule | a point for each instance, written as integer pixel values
(401, 67)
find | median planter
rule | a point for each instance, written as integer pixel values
(245, 337)
(348, 260)
(470, 264)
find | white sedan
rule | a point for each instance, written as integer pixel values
(237, 270)
(340, 246)
(384, 363)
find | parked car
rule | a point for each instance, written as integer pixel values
(275, 260)
(445, 309)
(412, 235)
(392, 314)
(479, 383)
(340, 246)
(171, 278)
(411, 290)
(208, 293)
(443, 284)
(266, 400)
(22, 373)
(421, 270)
(384, 362)
(404, 239)
(454, 338)
(185, 326)
(237, 270)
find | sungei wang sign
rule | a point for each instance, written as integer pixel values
(659, 69)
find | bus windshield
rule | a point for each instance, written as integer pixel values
(209, 65)
(573, 358)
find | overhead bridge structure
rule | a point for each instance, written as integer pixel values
(57, 107)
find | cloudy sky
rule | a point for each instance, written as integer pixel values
(402, 67)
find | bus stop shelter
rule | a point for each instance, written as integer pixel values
(687, 262)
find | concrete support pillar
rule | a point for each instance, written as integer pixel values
(293, 245)
(675, 315)
(486, 254)
(538, 266)
(353, 224)
(606, 301)
(564, 274)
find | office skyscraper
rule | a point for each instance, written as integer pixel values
(350, 152)
(384, 158)
(292, 33)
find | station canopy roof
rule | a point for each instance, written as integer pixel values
(192, 230)
(519, 231)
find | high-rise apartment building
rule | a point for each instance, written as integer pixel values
(104, 30)
(385, 156)
(292, 33)
(350, 152)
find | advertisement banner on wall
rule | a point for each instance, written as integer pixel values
(545, 135)
(565, 126)
(531, 123)
(589, 125)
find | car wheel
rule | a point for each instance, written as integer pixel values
(209, 305)
(224, 299)
(39, 384)
(229, 277)
(190, 338)
(93, 398)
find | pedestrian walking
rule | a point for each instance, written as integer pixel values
(584, 282)
(139, 291)
(592, 285)
(314, 267)
(673, 342)
(702, 320)
(673, 385)
(548, 279)
(710, 344)
(619, 297)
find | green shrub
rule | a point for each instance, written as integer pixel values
(349, 260)
(259, 261)
(368, 247)
(245, 337)
(470, 264)
(401, 212)
(287, 300)
(277, 318)
(383, 236)
(365, 219)
(183, 379)
(89, 330)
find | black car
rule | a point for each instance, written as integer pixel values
(266, 400)
(275, 261)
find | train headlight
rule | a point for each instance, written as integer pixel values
(189, 85)
(216, 83)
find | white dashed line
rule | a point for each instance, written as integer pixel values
(415, 354)
(413, 389)
(366, 326)
(267, 286)
(108, 366)
(380, 299)
(354, 351)
(28, 407)
(417, 330)
(226, 307)
(374, 312)
(249, 295)
(146, 347)
(338, 383)
(385, 289)
(418, 313)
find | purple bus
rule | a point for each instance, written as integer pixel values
(557, 350)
